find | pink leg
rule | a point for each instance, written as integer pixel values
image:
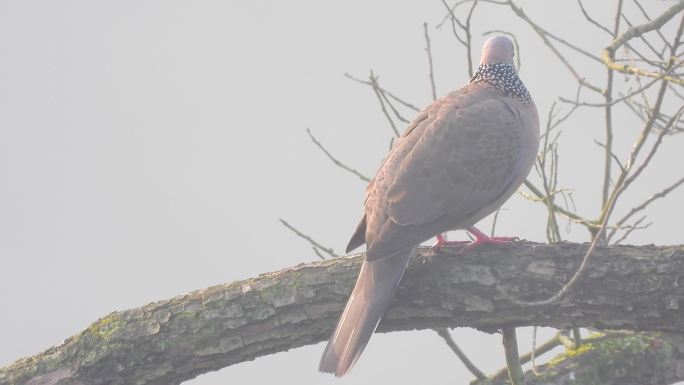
(483, 239)
(441, 241)
(480, 239)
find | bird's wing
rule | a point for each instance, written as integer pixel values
(461, 163)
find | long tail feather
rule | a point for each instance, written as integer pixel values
(372, 294)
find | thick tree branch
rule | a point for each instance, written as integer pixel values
(167, 342)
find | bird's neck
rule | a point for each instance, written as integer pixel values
(504, 78)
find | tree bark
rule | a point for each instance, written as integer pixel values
(167, 342)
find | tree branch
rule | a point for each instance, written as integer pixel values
(167, 342)
(639, 30)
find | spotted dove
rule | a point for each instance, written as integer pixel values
(457, 162)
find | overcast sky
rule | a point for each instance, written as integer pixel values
(147, 149)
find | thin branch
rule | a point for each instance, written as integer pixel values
(467, 41)
(454, 20)
(444, 333)
(608, 118)
(315, 244)
(612, 154)
(545, 35)
(613, 101)
(469, 46)
(654, 148)
(592, 21)
(378, 93)
(661, 194)
(495, 220)
(452, 9)
(533, 351)
(633, 227)
(394, 110)
(643, 12)
(639, 30)
(568, 214)
(646, 43)
(549, 182)
(318, 253)
(384, 91)
(510, 343)
(428, 51)
(335, 160)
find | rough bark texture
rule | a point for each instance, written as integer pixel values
(167, 342)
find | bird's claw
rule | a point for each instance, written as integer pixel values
(480, 239)
(441, 242)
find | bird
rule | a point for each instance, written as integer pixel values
(458, 161)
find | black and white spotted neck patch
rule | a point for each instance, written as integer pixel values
(504, 78)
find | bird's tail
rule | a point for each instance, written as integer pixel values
(372, 294)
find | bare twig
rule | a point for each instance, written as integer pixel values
(469, 46)
(567, 213)
(629, 231)
(545, 35)
(428, 50)
(444, 333)
(612, 154)
(643, 12)
(452, 9)
(642, 206)
(608, 116)
(318, 253)
(549, 182)
(629, 95)
(334, 160)
(592, 21)
(639, 30)
(394, 110)
(454, 20)
(384, 91)
(533, 351)
(315, 244)
(654, 148)
(378, 93)
(467, 41)
(495, 220)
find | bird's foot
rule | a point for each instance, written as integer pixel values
(480, 239)
(441, 241)
(483, 239)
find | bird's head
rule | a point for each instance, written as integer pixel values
(498, 49)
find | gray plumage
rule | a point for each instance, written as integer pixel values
(457, 162)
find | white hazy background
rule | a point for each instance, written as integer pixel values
(147, 149)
